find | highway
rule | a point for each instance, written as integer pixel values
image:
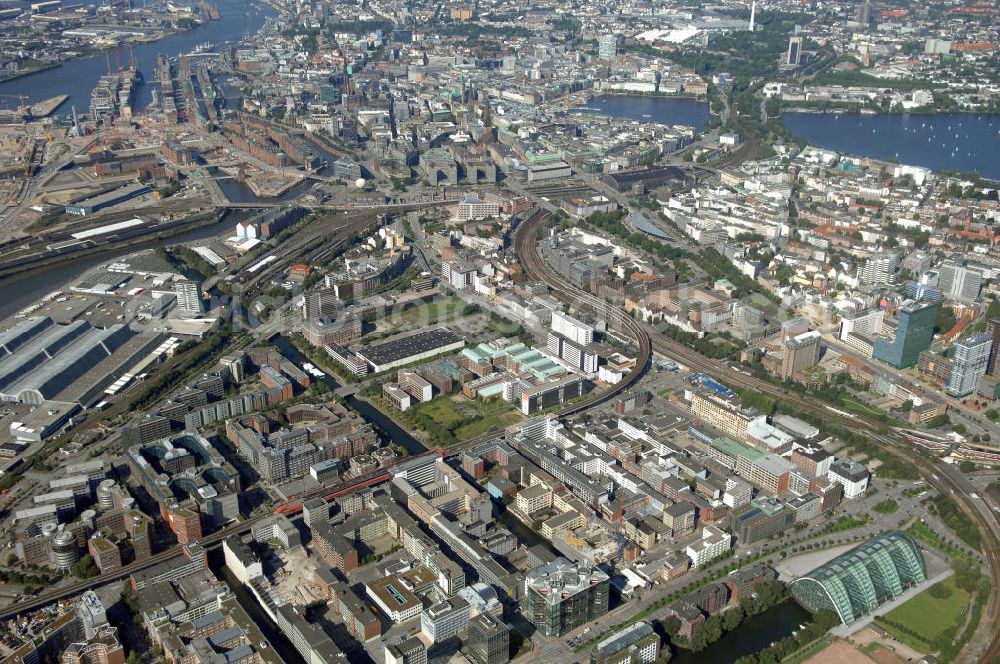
(941, 476)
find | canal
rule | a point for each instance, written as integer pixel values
(277, 640)
(22, 289)
(393, 432)
(752, 636)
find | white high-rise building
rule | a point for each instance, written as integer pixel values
(959, 283)
(878, 270)
(571, 328)
(970, 359)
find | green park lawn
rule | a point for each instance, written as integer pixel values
(487, 424)
(468, 419)
(927, 616)
(432, 312)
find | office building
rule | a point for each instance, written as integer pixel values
(851, 475)
(395, 600)
(959, 283)
(571, 328)
(536, 398)
(321, 303)
(489, 640)
(863, 14)
(794, 56)
(636, 644)
(561, 596)
(913, 335)
(445, 619)
(188, 295)
(858, 582)
(993, 332)
(970, 359)
(714, 543)
(408, 347)
(103, 648)
(410, 650)
(765, 517)
(800, 352)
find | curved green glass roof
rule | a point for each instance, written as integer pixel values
(858, 581)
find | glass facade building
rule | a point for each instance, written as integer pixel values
(561, 596)
(859, 581)
(970, 360)
(914, 333)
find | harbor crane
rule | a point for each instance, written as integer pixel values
(23, 107)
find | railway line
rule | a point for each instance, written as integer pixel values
(937, 475)
(163, 556)
(524, 242)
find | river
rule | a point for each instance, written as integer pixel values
(648, 108)
(22, 289)
(752, 636)
(948, 141)
(76, 78)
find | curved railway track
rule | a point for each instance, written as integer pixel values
(988, 524)
(524, 242)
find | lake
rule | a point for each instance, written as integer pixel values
(953, 141)
(646, 108)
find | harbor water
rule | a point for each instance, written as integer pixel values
(76, 78)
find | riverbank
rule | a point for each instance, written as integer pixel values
(31, 72)
(124, 239)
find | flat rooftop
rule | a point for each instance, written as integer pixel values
(401, 347)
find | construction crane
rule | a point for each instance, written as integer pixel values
(23, 107)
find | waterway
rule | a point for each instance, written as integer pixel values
(647, 108)
(397, 435)
(76, 78)
(277, 640)
(952, 141)
(23, 289)
(752, 636)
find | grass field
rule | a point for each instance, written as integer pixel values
(469, 419)
(927, 616)
(852, 406)
(442, 411)
(424, 312)
(487, 424)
